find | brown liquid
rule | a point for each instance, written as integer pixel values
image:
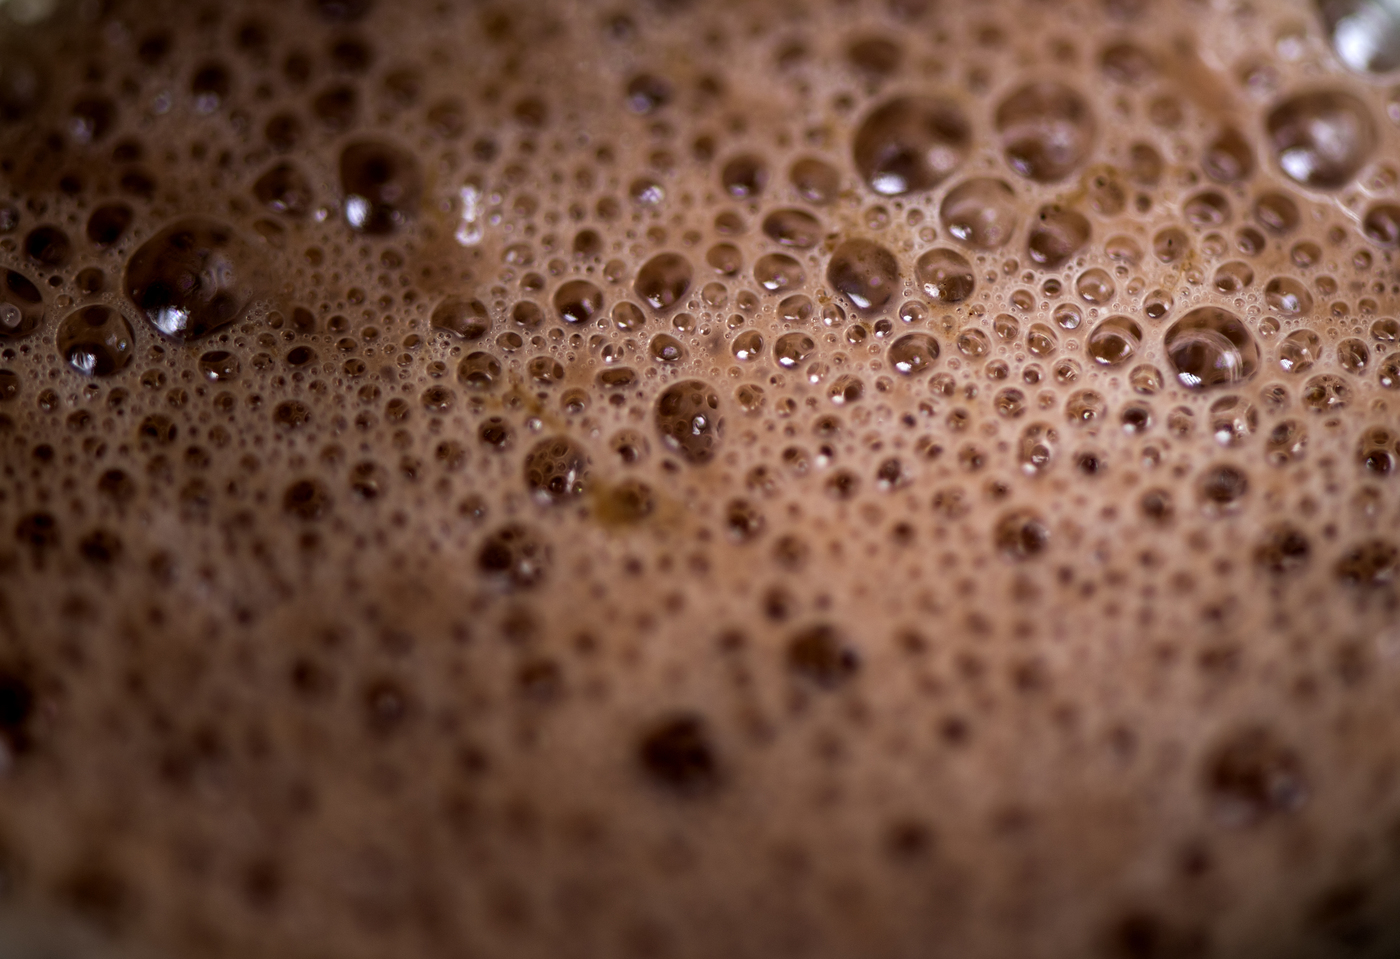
(743, 479)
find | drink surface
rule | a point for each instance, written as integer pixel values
(682, 479)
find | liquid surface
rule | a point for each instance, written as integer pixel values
(881, 479)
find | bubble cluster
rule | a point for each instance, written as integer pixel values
(672, 479)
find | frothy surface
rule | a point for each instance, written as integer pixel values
(685, 479)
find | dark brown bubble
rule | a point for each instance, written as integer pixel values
(944, 275)
(284, 189)
(1250, 775)
(1373, 563)
(23, 85)
(820, 655)
(778, 272)
(1276, 212)
(1381, 224)
(556, 470)
(21, 306)
(1115, 340)
(382, 185)
(1127, 63)
(1211, 347)
(912, 353)
(1046, 130)
(911, 144)
(96, 340)
(1021, 534)
(816, 181)
(981, 212)
(689, 421)
(664, 280)
(306, 499)
(218, 366)
(191, 278)
(677, 753)
(92, 118)
(865, 272)
(48, 246)
(1056, 236)
(793, 228)
(578, 301)
(468, 319)
(1228, 158)
(744, 176)
(479, 371)
(108, 223)
(1283, 549)
(1321, 138)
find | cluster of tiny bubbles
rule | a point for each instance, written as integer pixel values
(495, 481)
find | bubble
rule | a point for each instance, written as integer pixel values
(95, 340)
(284, 189)
(1288, 296)
(468, 319)
(381, 184)
(1232, 420)
(21, 306)
(1170, 245)
(1228, 158)
(663, 280)
(544, 370)
(821, 656)
(48, 246)
(1085, 408)
(981, 212)
(747, 346)
(1222, 487)
(479, 371)
(744, 176)
(1365, 34)
(1276, 212)
(1353, 355)
(912, 353)
(725, 259)
(1381, 224)
(816, 181)
(791, 349)
(911, 144)
(665, 348)
(1233, 277)
(306, 499)
(1299, 351)
(677, 753)
(1056, 236)
(1210, 347)
(1094, 286)
(1021, 534)
(1205, 209)
(556, 470)
(1250, 775)
(1041, 340)
(793, 228)
(778, 272)
(973, 343)
(944, 275)
(1373, 563)
(578, 301)
(1046, 130)
(1115, 340)
(688, 419)
(191, 278)
(108, 223)
(515, 556)
(1321, 138)
(646, 93)
(1326, 393)
(1127, 63)
(865, 272)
